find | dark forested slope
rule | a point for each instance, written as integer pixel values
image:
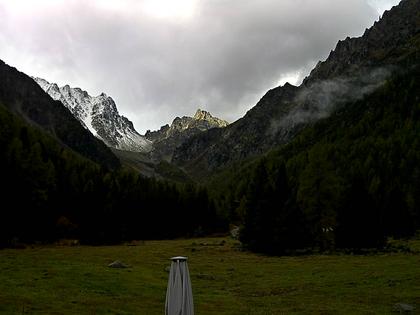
(59, 181)
(350, 180)
(48, 192)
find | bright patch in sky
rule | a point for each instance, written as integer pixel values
(178, 9)
(169, 8)
(112, 5)
(381, 5)
(27, 7)
(293, 78)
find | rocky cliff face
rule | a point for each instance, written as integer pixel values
(382, 44)
(354, 69)
(169, 137)
(99, 115)
(201, 121)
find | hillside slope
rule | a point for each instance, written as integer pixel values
(21, 95)
(356, 68)
(351, 180)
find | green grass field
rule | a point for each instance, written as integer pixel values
(225, 280)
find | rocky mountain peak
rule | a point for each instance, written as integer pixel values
(213, 121)
(23, 97)
(202, 120)
(169, 137)
(202, 115)
(379, 45)
(99, 115)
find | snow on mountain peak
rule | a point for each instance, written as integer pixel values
(99, 115)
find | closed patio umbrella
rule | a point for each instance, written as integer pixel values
(179, 299)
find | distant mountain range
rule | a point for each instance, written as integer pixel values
(203, 143)
(100, 116)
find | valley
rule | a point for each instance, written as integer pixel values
(308, 203)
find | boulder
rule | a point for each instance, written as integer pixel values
(117, 264)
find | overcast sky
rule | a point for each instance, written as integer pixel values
(160, 59)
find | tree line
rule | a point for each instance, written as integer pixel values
(49, 192)
(349, 181)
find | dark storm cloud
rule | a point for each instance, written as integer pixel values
(221, 56)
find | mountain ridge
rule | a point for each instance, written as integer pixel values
(99, 115)
(22, 96)
(354, 69)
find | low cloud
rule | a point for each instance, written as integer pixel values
(320, 99)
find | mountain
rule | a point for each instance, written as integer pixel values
(351, 180)
(346, 174)
(201, 121)
(22, 96)
(356, 68)
(168, 138)
(386, 42)
(59, 181)
(99, 115)
(50, 192)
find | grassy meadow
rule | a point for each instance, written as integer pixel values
(225, 280)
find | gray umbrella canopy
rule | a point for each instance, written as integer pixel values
(179, 299)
